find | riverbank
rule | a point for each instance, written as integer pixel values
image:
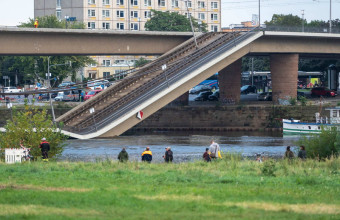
(225, 189)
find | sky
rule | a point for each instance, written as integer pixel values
(233, 11)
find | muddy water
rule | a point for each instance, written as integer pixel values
(186, 146)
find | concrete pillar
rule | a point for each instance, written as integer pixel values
(229, 80)
(284, 72)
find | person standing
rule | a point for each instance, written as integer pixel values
(206, 155)
(289, 154)
(45, 148)
(214, 150)
(123, 156)
(147, 155)
(168, 156)
(302, 153)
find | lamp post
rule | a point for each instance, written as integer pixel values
(259, 13)
(330, 16)
(303, 20)
(139, 23)
(192, 28)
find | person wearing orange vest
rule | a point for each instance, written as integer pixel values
(147, 155)
(36, 23)
(45, 147)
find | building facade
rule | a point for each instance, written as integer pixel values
(127, 14)
(124, 15)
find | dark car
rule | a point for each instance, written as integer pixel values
(215, 96)
(265, 96)
(200, 88)
(203, 96)
(248, 89)
(322, 91)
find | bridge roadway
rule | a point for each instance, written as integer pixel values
(48, 41)
(152, 88)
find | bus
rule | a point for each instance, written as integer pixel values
(212, 81)
(98, 84)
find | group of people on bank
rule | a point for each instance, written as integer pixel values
(301, 154)
(213, 152)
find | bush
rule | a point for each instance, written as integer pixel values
(303, 101)
(292, 101)
(29, 126)
(323, 145)
(268, 168)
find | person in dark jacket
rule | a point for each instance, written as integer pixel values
(147, 155)
(45, 148)
(123, 156)
(302, 153)
(206, 155)
(168, 156)
(289, 154)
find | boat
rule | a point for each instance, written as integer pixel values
(291, 126)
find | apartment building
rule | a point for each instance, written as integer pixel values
(124, 15)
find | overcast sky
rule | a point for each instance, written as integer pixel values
(233, 11)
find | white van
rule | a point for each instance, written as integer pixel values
(72, 95)
(98, 84)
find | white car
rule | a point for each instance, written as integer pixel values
(11, 89)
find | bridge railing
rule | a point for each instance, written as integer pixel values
(335, 30)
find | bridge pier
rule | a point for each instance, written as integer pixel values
(229, 80)
(284, 73)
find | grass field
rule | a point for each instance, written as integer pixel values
(227, 189)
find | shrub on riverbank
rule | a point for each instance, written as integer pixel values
(323, 145)
(223, 189)
(29, 126)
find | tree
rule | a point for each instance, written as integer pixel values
(51, 21)
(284, 20)
(172, 21)
(29, 126)
(141, 62)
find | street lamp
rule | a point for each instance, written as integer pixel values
(330, 16)
(192, 28)
(139, 23)
(259, 13)
(303, 20)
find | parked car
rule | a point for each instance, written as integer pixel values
(92, 93)
(66, 84)
(215, 96)
(322, 91)
(45, 96)
(200, 88)
(11, 89)
(265, 96)
(248, 89)
(203, 96)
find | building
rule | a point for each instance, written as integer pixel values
(243, 27)
(127, 14)
(123, 15)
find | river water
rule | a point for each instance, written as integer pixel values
(185, 146)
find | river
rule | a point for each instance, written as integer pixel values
(185, 146)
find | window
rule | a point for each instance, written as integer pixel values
(201, 16)
(214, 17)
(134, 2)
(91, 25)
(92, 2)
(201, 4)
(106, 2)
(134, 26)
(147, 14)
(147, 2)
(91, 13)
(106, 74)
(134, 14)
(58, 3)
(161, 3)
(120, 14)
(335, 113)
(119, 61)
(106, 13)
(106, 25)
(214, 5)
(175, 3)
(214, 28)
(188, 4)
(58, 14)
(106, 62)
(188, 15)
(120, 26)
(120, 2)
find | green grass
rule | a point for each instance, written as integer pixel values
(227, 189)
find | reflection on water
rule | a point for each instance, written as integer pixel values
(186, 146)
